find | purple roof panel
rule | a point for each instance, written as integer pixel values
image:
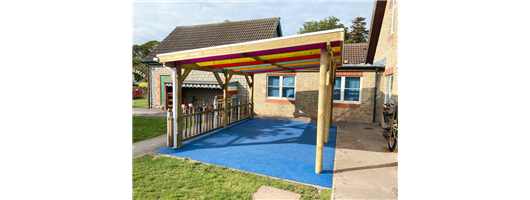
(260, 53)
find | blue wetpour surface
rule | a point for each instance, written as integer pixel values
(278, 148)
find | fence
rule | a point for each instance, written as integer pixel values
(202, 118)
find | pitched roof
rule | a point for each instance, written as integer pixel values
(354, 53)
(378, 14)
(208, 35)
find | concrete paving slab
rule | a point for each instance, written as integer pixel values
(266, 192)
(364, 167)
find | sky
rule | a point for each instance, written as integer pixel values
(155, 20)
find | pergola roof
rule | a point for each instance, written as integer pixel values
(290, 53)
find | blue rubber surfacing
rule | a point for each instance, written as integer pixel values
(278, 148)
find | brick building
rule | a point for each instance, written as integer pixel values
(201, 36)
(383, 50)
(275, 95)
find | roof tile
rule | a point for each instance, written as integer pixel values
(354, 53)
(207, 35)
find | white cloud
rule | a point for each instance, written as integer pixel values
(155, 20)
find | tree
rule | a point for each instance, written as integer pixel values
(226, 20)
(139, 52)
(330, 22)
(358, 33)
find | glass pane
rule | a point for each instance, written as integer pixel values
(274, 81)
(288, 92)
(338, 80)
(353, 82)
(351, 95)
(288, 81)
(274, 92)
(336, 94)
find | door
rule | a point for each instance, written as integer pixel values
(163, 79)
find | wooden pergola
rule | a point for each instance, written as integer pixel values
(312, 51)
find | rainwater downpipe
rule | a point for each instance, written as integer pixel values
(174, 72)
(375, 94)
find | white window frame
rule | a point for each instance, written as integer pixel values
(281, 88)
(342, 87)
(388, 87)
(393, 16)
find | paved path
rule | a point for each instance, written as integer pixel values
(147, 146)
(152, 113)
(266, 192)
(364, 167)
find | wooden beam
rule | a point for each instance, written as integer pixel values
(248, 80)
(218, 79)
(169, 64)
(190, 66)
(183, 77)
(321, 110)
(206, 68)
(230, 74)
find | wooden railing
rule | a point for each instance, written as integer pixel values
(200, 119)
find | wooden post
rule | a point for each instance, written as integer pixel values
(178, 103)
(328, 98)
(170, 131)
(332, 87)
(250, 83)
(321, 109)
(225, 104)
(252, 97)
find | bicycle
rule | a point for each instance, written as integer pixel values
(390, 124)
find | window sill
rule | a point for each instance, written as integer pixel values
(346, 105)
(284, 101)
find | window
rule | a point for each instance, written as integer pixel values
(347, 89)
(281, 87)
(388, 88)
(393, 3)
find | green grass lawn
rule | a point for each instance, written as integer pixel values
(165, 177)
(139, 102)
(145, 128)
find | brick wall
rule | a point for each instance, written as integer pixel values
(387, 46)
(306, 102)
(201, 94)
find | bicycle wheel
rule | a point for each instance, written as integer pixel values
(393, 140)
